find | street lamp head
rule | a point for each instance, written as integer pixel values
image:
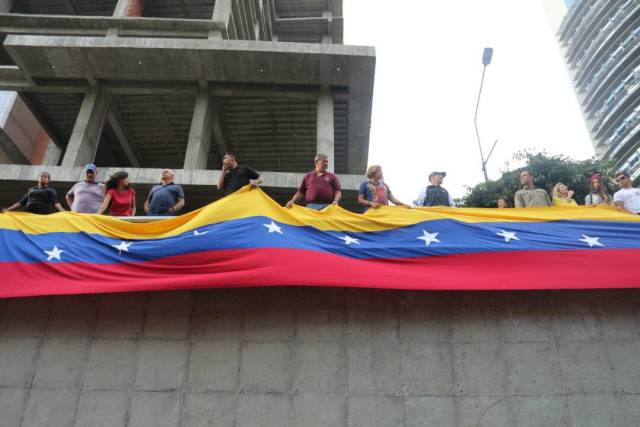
(487, 55)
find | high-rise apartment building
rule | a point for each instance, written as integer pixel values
(601, 43)
(147, 84)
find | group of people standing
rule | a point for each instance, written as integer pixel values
(114, 196)
(319, 188)
(626, 199)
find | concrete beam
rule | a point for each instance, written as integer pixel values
(218, 134)
(155, 59)
(115, 120)
(42, 122)
(12, 78)
(61, 25)
(52, 155)
(152, 176)
(325, 129)
(9, 149)
(200, 133)
(87, 130)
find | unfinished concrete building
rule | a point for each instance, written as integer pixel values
(146, 84)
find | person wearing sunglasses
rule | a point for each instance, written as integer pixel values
(627, 199)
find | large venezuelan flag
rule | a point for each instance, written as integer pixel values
(247, 239)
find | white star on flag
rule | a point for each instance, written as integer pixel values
(508, 235)
(273, 228)
(349, 240)
(591, 241)
(54, 254)
(429, 238)
(199, 233)
(123, 246)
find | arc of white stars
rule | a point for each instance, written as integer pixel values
(349, 240)
(123, 246)
(429, 238)
(508, 235)
(54, 254)
(273, 227)
(591, 241)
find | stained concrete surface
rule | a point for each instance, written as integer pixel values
(321, 357)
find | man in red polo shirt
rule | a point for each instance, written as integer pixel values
(319, 187)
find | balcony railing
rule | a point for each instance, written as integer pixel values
(619, 56)
(614, 21)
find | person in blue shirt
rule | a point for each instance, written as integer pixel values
(374, 193)
(166, 198)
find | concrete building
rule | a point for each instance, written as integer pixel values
(143, 85)
(601, 43)
(176, 87)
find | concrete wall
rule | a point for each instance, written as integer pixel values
(306, 357)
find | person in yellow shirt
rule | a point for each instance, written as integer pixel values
(562, 196)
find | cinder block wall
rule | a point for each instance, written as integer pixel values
(331, 357)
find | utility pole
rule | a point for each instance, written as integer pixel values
(487, 54)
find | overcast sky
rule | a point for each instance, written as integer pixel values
(428, 69)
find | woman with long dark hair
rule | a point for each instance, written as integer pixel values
(598, 194)
(120, 197)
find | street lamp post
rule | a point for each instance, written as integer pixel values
(487, 54)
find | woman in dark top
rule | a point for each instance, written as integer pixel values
(40, 199)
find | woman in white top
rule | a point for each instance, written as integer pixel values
(598, 194)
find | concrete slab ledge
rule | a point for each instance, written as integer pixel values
(17, 23)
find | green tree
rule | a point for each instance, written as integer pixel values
(546, 171)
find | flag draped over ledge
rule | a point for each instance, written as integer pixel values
(247, 239)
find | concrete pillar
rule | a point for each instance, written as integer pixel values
(200, 133)
(87, 130)
(325, 134)
(52, 155)
(328, 38)
(128, 8)
(5, 6)
(221, 12)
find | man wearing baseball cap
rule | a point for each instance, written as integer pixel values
(434, 194)
(86, 196)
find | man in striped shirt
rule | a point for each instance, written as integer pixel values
(86, 196)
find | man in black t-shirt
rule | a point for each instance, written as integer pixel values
(233, 176)
(40, 199)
